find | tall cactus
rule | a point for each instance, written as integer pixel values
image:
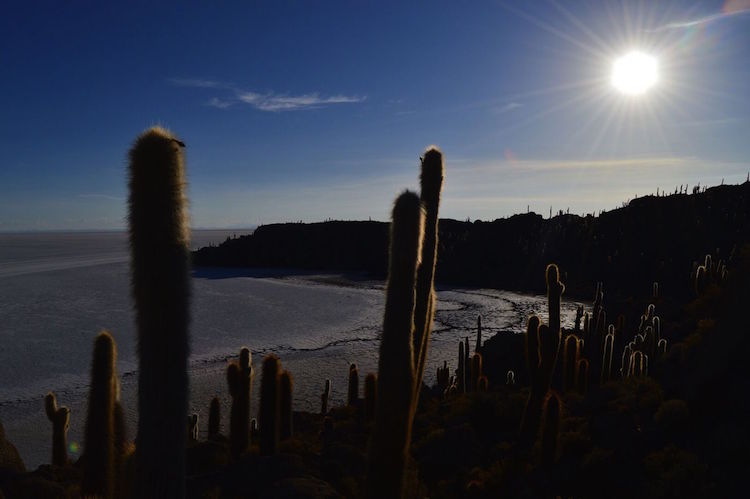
(160, 263)
(269, 406)
(60, 418)
(240, 380)
(431, 183)
(609, 347)
(389, 446)
(214, 419)
(461, 372)
(555, 289)
(99, 435)
(476, 371)
(478, 346)
(570, 359)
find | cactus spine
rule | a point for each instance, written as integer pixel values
(160, 262)
(240, 380)
(269, 406)
(99, 438)
(389, 446)
(286, 383)
(60, 418)
(352, 392)
(431, 183)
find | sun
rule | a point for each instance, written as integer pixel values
(635, 73)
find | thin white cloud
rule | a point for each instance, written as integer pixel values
(219, 103)
(732, 9)
(510, 106)
(274, 103)
(197, 83)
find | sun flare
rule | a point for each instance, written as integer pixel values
(635, 73)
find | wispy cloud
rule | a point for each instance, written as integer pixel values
(269, 101)
(510, 106)
(732, 8)
(272, 102)
(197, 83)
(220, 103)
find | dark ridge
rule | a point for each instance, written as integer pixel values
(648, 240)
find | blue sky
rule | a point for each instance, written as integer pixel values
(314, 110)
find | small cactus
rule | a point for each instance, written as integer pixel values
(99, 435)
(510, 378)
(483, 384)
(443, 377)
(192, 428)
(240, 380)
(352, 392)
(286, 384)
(476, 371)
(324, 397)
(269, 406)
(461, 371)
(609, 346)
(60, 418)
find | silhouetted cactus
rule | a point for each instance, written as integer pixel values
(570, 358)
(443, 377)
(655, 290)
(371, 396)
(609, 346)
(60, 418)
(240, 380)
(286, 384)
(510, 378)
(160, 262)
(214, 419)
(467, 365)
(192, 428)
(532, 347)
(476, 371)
(431, 183)
(577, 322)
(324, 397)
(483, 384)
(550, 429)
(478, 346)
(352, 392)
(461, 371)
(99, 435)
(555, 289)
(269, 406)
(389, 445)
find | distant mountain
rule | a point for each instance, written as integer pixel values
(651, 239)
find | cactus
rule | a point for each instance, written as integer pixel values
(99, 464)
(461, 371)
(60, 418)
(371, 396)
(626, 356)
(352, 392)
(160, 263)
(478, 346)
(555, 289)
(269, 406)
(655, 290)
(443, 377)
(701, 280)
(550, 429)
(389, 446)
(240, 380)
(286, 386)
(510, 378)
(577, 323)
(570, 358)
(214, 419)
(609, 346)
(324, 397)
(483, 384)
(192, 428)
(467, 365)
(431, 183)
(476, 371)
